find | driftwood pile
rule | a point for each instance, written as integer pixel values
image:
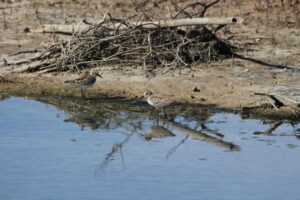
(153, 44)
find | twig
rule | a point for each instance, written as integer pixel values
(173, 149)
(208, 6)
(284, 97)
(277, 103)
(25, 51)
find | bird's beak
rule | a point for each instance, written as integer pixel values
(99, 75)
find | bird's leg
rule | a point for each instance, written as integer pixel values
(165, 114)
(293, 125)
(83, 93)
(157, 116)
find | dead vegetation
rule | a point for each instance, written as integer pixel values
(139, 40)
(279, 107)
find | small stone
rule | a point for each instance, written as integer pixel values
(196, 89)
(27, 30)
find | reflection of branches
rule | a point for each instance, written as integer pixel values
(115, 149)
(84, 120)
(3, 97)
(205, 129)
(112, 115)
(122, 158)
(173, 149)
(204, 137)
(97, 114)
(274, 126)
(270, 130)
(296, 131)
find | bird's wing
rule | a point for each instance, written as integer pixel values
(160, 99)
(81, 80)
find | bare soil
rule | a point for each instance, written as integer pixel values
(270, 35)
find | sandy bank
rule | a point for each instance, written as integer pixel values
(218, 85)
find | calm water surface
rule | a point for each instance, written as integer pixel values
(68, 150)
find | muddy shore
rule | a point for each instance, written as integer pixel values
(229, 84)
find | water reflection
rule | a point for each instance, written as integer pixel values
(158, 132)
(134, 119)
(273, 126)
(119, 145)
(97, 114)
(84, 121)
(137, 118)
(3, 97)
(116, 148)
(173, 149)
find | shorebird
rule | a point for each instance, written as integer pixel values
(157, 101)
(85, 81)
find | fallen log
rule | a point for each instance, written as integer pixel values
(286, 108)
(71, 29)
(277, 103)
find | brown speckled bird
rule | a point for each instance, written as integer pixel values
(85, 81)
(157, 101)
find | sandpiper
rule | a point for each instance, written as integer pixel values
(85, 81)
(157, 101)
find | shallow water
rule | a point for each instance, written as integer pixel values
(76, 150)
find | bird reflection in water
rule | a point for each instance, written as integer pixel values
(84, 121)
(158, 132)
(134, 120)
